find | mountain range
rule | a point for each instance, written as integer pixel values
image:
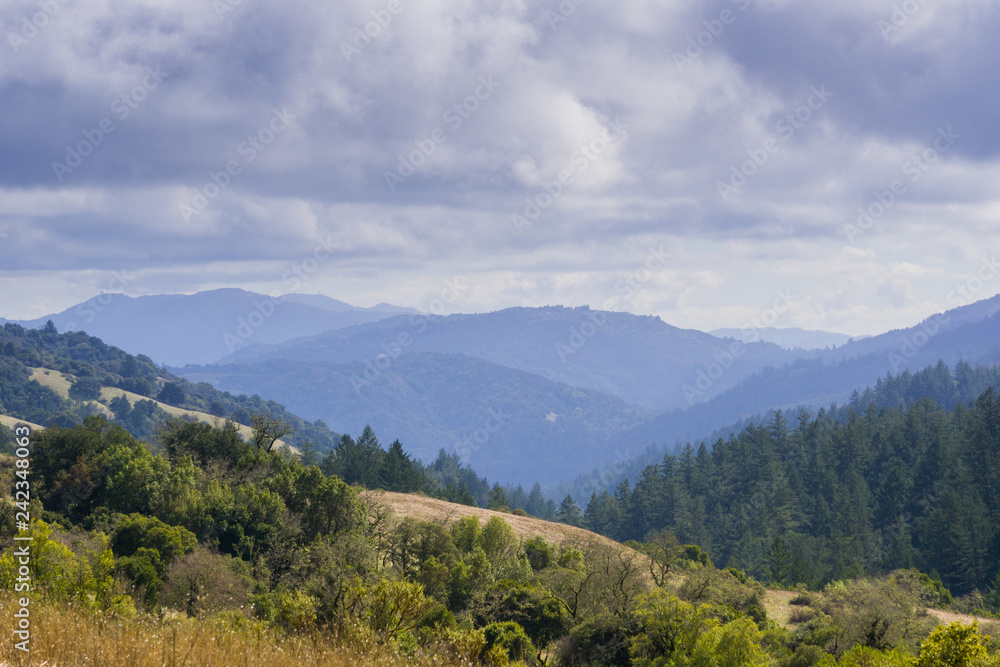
(523, 394)
(178, 329)
(789, 338)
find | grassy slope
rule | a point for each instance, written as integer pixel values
(60, 384)
(777, 602)
(12, 422)
(440, 511)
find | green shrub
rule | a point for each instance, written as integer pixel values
(510, 637)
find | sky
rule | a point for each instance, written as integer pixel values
(699, 161)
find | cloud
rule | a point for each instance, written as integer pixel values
(168, 99)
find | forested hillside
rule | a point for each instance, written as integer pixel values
(91, 366)
(224, 550)
(896, 479)
(669, 432)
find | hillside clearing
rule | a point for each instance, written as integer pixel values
(433, 510)
(60, 383)
(13, 422)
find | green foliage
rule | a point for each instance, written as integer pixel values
(727, 596)
(511, 638)
(885, 483)
(502, 549)
(539, 552)
(498, 499)
(59, 573)
(569, 512)
(391, 607)
(878, 614)
(466, 533)
(953, 645)
(862, 656)
(171, 394)
(735, 644)
(145, 547)
(85, 389)
(71, 465)
(532, 607)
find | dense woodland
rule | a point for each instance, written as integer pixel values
(892, 480)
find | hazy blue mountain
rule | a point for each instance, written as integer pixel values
(510, 425)
(790, 338)
(640, 359)
(201, 328)
(970, 334)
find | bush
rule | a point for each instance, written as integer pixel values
(171, 394)
(85, 389)
(803, 615)
(954, 645)
(878, 614)
(204, 582)
(802, 599)
(511, 638)
(539, 553)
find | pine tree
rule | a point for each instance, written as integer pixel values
(569, 512)
(397, 472)
(498, 499)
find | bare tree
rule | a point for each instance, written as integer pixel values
(664, 552)
(267, 430)
(618, 577)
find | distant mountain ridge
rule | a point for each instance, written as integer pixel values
(582, 383)
(790, 338)
(178, 329)
(641, 359)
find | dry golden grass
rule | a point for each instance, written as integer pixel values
(109, 393)
(12, 422)
(66, 636)
(60, 383)
(423, 508)
(54, 380)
